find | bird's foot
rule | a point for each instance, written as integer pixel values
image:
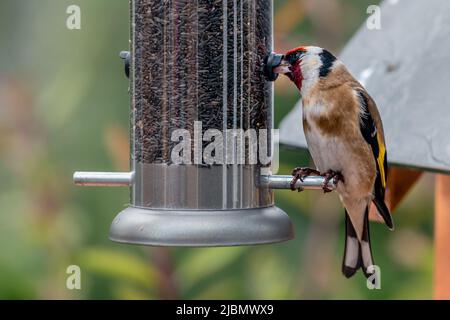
(336, 176)
(299, 174)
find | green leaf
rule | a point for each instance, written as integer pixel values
(119, 265)
(127, 292)
(205, 262)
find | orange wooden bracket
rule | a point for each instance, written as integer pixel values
(400, 181)
(442, 238)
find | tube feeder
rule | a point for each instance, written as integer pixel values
(200, 69)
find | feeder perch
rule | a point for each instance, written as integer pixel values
(199, 65)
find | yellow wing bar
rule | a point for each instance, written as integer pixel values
(380, 160)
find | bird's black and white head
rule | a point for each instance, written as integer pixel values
(306, 65)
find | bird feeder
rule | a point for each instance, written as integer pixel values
(197, 71)
(404, 66)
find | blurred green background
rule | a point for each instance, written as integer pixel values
(64, 107)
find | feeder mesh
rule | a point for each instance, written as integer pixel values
(197, 61)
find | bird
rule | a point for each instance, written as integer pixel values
(345, 138)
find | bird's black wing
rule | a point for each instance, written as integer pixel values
(372, 132)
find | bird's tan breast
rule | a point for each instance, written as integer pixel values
(335, 111)
(331, 126)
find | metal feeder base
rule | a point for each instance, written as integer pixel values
(201, 228)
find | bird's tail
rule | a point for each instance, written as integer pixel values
(358, 254)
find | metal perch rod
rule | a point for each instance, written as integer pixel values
(125, 179)
(103, 179)
(284, 182)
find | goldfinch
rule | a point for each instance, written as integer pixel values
(345, 138)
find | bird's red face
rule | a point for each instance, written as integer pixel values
(290, 65)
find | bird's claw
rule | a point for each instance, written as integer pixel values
(336, 176)
(299, 174)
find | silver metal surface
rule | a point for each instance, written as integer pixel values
(405, 67)
(284, 182)
(201, 227)
(103, 179)
(161, 186)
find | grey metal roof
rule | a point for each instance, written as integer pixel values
(405, 67)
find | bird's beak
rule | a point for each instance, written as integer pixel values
(283, 68)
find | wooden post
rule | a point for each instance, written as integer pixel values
(442, 238)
